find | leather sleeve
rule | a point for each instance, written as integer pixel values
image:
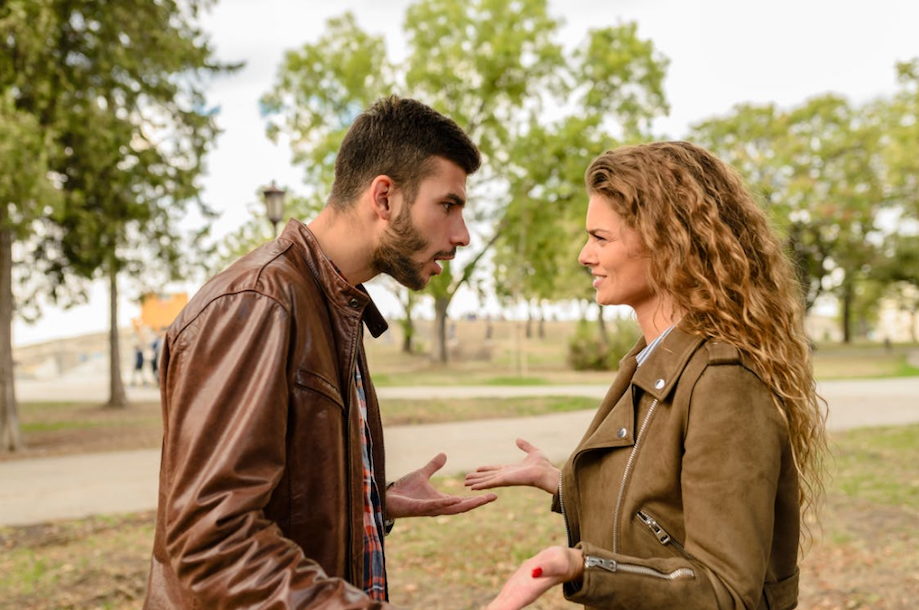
(734, 445)
(226, 399)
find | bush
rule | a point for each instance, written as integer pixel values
(587, 351)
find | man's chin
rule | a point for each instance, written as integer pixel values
(415, 283)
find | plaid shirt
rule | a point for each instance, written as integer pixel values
(374, 564)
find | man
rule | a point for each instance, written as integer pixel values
(272, 482)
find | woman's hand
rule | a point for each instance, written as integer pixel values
(537, 575)
(535, 471)
(414, 496)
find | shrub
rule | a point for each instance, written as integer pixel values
(588, 351)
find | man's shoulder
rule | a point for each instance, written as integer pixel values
(270, 271)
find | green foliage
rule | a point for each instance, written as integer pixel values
(537, 113)
(815, 167)
(588, 350)
(116, 91)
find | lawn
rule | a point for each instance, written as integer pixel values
(863, 557)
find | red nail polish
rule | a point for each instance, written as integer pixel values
(537, 572)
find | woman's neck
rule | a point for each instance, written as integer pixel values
(657, 317)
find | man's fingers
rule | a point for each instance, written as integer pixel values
(436, 463)
(468, 504)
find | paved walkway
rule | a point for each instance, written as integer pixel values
(37, 490)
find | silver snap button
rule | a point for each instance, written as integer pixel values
(622, 432)
(659, 384)
(353, 302)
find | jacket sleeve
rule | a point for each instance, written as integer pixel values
(734, 445)
(226, 399)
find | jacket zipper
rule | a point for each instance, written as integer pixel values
(561, 505)
(611, 565)
(628, 471)
(352, 393)
(660, 533)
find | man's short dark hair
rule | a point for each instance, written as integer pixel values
(398, 137)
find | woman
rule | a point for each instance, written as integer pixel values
(688, 488)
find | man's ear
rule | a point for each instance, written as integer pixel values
(382, 192)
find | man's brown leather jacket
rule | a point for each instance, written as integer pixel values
(260, 497)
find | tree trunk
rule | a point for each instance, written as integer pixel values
(847, 298)
(117, 396)
(408, 323)
(529, 327)
(601, 325)
(914, 326)
(439, 352)
(541, 330)
(10, 437)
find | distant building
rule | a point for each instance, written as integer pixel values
(157, 311)
(898, 319)
(822, 329)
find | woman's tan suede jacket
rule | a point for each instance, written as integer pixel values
(683, 492)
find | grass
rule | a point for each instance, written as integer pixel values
(402, 412)
(67, 428)
(863, 558)
(880, 465)
(509, 359)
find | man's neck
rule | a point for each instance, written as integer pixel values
(342, 240)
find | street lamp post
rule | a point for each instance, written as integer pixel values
(274, 205)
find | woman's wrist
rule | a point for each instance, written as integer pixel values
(550, 480)
(575, 565)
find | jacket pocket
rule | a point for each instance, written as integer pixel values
(308, 380)
(648, 523)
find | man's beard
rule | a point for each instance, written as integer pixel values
(394, 254)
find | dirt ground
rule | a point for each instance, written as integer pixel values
(51, 430)
(102, 563)
(864, 558)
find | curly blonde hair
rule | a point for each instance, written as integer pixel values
(712, 250)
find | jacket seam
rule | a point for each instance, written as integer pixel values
(230, 294)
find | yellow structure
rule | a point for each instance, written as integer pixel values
(157, 311)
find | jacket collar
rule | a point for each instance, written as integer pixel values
(663, 368)
(344, 296)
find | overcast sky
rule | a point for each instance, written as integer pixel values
(721, 52)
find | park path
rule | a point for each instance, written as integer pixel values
(37, 490)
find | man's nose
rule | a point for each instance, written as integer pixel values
(460, 235)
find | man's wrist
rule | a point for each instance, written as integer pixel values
(389, 522)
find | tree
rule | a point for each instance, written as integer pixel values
(494, 67)
(23, 183)
(816, 169)
(898, 117)
(118, 89)
(25, 190)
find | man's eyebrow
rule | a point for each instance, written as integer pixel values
(456, 199)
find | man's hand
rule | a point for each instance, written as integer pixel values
(535, 471)
(549, 567)
(414, 496)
